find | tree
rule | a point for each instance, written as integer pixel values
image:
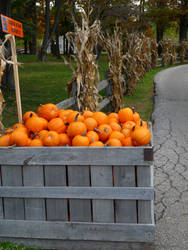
(47, 38)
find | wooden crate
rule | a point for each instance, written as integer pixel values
(73, 196)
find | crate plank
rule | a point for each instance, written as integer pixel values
(80, 210)
(125, 211)
(103, 210)
(82, 156)
(77, 231)
(102, 193)
(145, 208)
(13, 207)
(1, 200)
(34, 208)
(56, 209)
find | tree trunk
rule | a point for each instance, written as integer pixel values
(33, 45)
(47, 38)
(8, 76)
(160, 33)
(183, 28)
(57, 51)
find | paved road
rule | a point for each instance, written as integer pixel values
(171, 158)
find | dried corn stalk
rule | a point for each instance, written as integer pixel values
(113, 45)
(154, 54)
(166, 44)
(173, 54)
(183, 47)
(86, 73)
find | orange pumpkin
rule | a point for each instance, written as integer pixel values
(48, 111)
(57, 124)
(97, 144)
(127, 141)
(18, 125)
(36, 124)
(64, 113)
(51, 139)
(80, 140)
(104, 132)
(92, 136)
(141, 136)
(100, 117)
(5, 140)
(36, 143)
(113, 142)
(76, 128)
(125, 114)
(126, 132)
(19, 138)
(129, 124)
(117, 135)
(115, 126)
(90, 123)
(28, 115)
(75, 116)
(64, 140)
(87, 114)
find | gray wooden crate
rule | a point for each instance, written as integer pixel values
(70, 197)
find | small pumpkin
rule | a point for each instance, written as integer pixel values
(64, 140)
(97, 144)
(92, 136)
(100, 117)
(51, 139)
(90, 123)
(36, 124)
(48, 111)
(28, 115)
(87, 114)
(113, 142)
(115, 126)
(117, 135)
(104, 132)
(80, 140)
(127, 141)
(76, 128)
(125, 114)
(5, 140)
(75, 116)
(129, 124)
(36, 143)
(141, 136)
(19, 137)
(57, 124)
(64, 113)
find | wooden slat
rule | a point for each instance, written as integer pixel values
(56, 209)
(34, 208)
(80, 210)
(77, 231)
(1, 200)
(74, 156)
(103, 104)
(13, 207)
(108, 193)
(103, 210)
(125, 211)
(103, 84)
(145, 208)
(66, 103)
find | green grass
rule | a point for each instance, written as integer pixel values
(11, 246)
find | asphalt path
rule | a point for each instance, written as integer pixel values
(170, 129)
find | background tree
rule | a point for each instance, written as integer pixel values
(47, 38)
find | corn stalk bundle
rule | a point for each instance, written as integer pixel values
(173, 54)
(166, 44)
(154, 53)
(132, 61)
(183, 47)
(113, 45)
(145, 53)
(86, 73)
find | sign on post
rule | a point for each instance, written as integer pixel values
(14, 28)
(11, 26)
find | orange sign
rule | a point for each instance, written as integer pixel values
(11, 26)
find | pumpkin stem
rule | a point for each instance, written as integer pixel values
(98, 130)
(76, 117)
(106, 130)
(133, 109)
(141, 123)
(84, 133)
(133, 128)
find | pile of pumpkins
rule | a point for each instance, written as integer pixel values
(50, 126)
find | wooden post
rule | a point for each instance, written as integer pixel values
(16, 77)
